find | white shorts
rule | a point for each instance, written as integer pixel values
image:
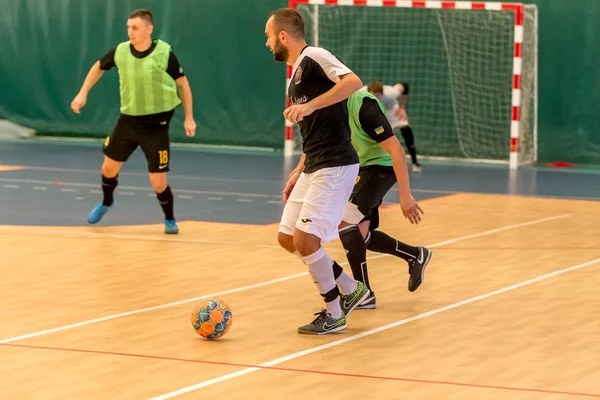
(317, 202)
(393, 119)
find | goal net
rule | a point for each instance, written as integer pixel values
(471, 68)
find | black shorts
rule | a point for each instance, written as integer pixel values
(373, 183)
(151, 133)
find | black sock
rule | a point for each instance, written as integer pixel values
(108, 189)
(409, 139)
(331, 295)
(337, 270)
(368, 240)
(383, 243)
(165, 199)
(356, 252)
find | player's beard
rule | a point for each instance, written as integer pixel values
(280, 52)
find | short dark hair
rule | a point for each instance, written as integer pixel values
(375, 87)
(143, 14)
(289, 20)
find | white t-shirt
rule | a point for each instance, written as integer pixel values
(391, 98)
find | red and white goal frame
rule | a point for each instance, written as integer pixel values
(517, 8)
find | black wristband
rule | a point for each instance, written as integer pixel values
(405, 85)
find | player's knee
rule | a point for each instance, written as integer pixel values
(346, 234)
(364, 228)
(306, 243)
(286, 241)
(343, 225)
(158, 181)
(110, 168)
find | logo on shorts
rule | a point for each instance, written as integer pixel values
(106, 141)
(305, 220)
(298, 76)
(163, 166)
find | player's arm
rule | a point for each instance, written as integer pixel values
(93, 76)
(293, 178)
(394, 148)
(403, 89)
(300, 167)
(346, 83)
(376, 125)
(185, 93)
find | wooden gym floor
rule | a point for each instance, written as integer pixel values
(508, 309)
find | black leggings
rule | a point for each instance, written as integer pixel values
(409, 140)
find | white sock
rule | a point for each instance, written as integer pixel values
(319, 267)
(346, 283)
(334, 308)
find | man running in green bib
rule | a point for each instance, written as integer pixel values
(382, 164)
(149, 78)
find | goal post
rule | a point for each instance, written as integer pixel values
(471, 68)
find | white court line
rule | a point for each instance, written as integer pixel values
(101, 235)
(176, 303)
(145, 174)
(144, 189)
(526, 195)
(372, 331)
(93, 321)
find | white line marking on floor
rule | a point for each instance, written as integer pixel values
(68, 190)
(214, 198)
(39, 188)
(144, 189)
(93, 321)
(145, 174)
(371, 332)
(177, 303)
(101, 235)
(245, 200)
(182, 196)
(11, 186)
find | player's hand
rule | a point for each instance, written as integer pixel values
(298, 112)
(290, 185)
(411, 209)
(78, 103)
(401, 114)
(190, 127)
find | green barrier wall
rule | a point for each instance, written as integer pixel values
(48, 47)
